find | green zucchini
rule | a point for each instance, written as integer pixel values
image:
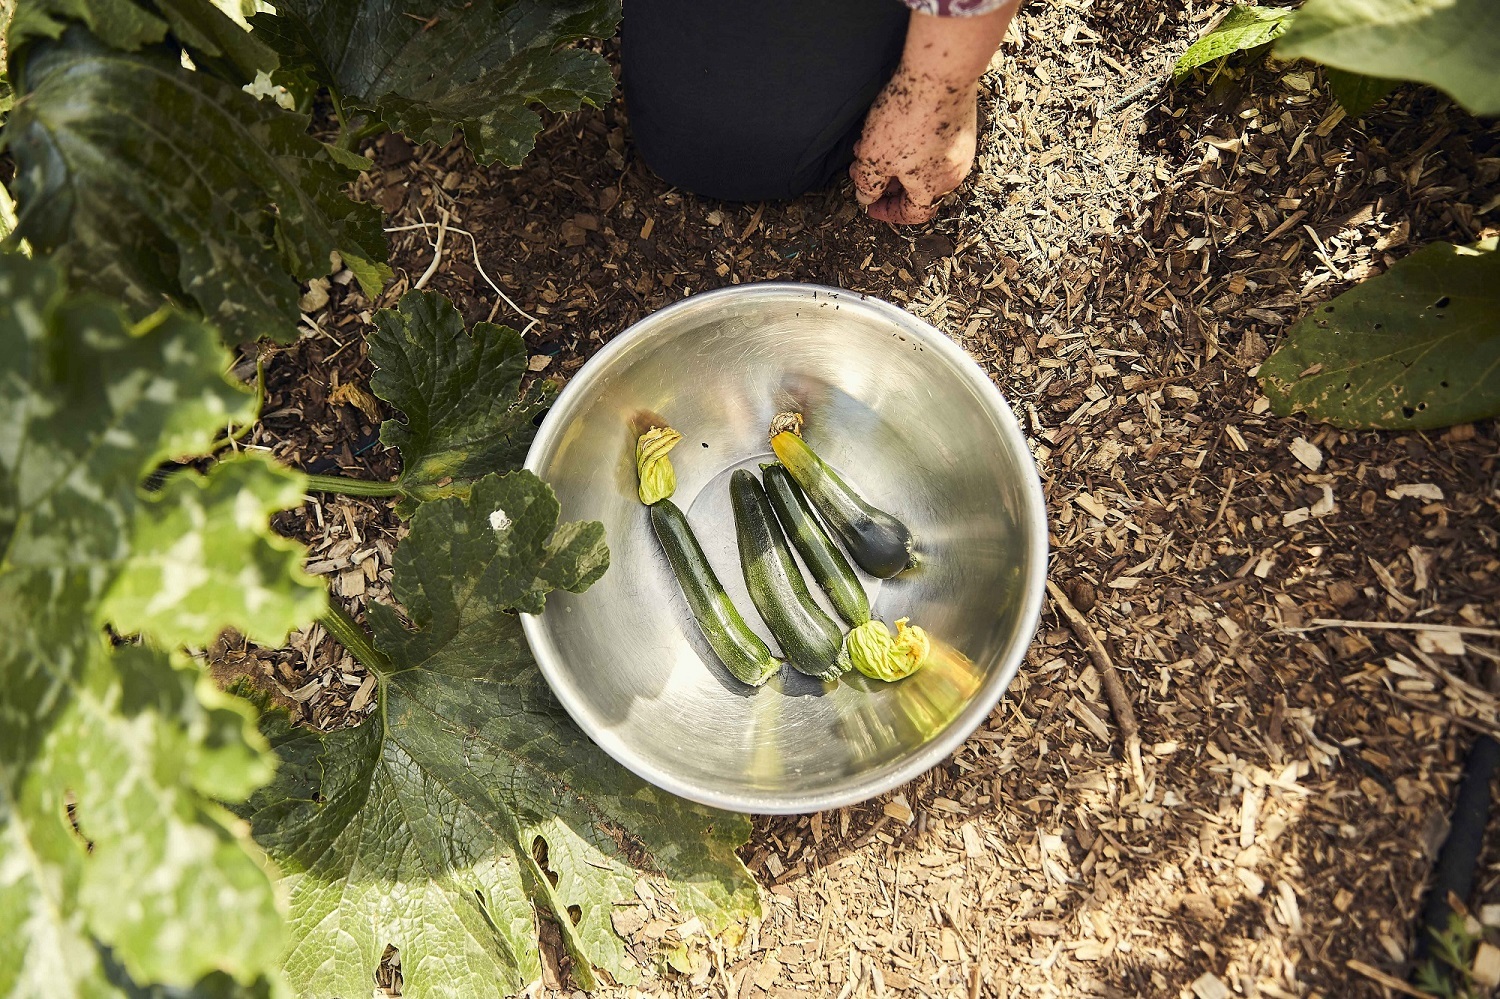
(811, 640)
(879, 543)
(740, 649)
(822, 557)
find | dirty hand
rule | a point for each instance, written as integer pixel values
(919, 137)
(918, 145)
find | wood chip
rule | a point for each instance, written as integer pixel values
(1307, 453)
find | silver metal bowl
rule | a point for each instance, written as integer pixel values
(908, 419)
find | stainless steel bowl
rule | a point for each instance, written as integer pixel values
(911, 421)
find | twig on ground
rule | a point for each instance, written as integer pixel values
(1374, 974)
(437, 249)
(1319, 623)
(1432, 709)
(1223, 501)
(1121, 103)
(1114, 687)
(474, 243)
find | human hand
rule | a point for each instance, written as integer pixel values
(918, 144)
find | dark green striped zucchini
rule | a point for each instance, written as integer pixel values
(822, 557)
(741, 649)
(879, 543)
(811, 640)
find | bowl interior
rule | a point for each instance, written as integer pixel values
(910, 421)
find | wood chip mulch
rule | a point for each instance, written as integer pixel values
(1122, 260)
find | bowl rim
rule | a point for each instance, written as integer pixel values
(966, 722)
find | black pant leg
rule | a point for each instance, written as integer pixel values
(750, 100)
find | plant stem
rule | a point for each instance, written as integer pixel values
(356, 129)
(345, 486)
(353, 636)
(338, 112)
(235, 436)
(365, 131)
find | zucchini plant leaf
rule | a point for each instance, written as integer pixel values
(1416, 347)
(471, 807)
(216, 35)
(1453, 45)
(202, 558)
(154, 183)
(114, 855)
(1355, 92)
(1243, 28)
(459, 392)
(114, 834)
(428, 67)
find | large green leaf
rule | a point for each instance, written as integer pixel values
(155, 866)
(1416, 347)
(154, 183)
(203, 559)
(426, 67)
(471, 805)
(115, 859)
(1242, 28)
(459, 393)
(1355, 92)
(216, 35)
(1452, 44)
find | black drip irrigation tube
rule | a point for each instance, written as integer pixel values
(1454, 870)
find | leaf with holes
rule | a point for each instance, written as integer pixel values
(1453, 45)
(1241, 29)
(471, 807)
(153, 183)
(497, 58)
(460, 394)
(117, 863)
(1417, 347)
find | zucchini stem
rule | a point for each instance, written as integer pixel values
(353, 636)
(347, 486)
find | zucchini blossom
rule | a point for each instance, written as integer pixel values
(880, 656)
(658, 479)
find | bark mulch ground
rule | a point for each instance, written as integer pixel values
(1123, 258)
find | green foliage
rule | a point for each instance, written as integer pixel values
(117, 864)
(496, 58)
(1451, 44)
(1355, 92)
(154, 183)
(459, 393)
(213, 36)
(1417, 347)
(1241, 29)
(1446, 973)
(470, 805)
(202, 560)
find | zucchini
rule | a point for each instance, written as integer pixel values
(740, 649)
(879, 543)
(822, 557)
(811, 641)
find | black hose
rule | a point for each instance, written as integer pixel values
(1454, 870)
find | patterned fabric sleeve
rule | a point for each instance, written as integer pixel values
(954, 8)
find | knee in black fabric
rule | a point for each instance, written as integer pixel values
(757, 99)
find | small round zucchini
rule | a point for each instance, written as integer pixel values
(827, 564)
(740, 649)
(811, 640)
(879, 543)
